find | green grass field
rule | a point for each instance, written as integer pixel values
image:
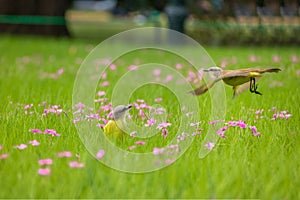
(41, 72)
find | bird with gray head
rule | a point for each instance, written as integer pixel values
(117, 125)
(240, 79)
(215, 71)
(120, 111)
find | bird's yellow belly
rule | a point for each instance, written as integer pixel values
(235, 81)
(112, 129)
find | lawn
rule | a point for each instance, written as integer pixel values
(42, 155)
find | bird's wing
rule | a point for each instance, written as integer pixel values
(233, 73)
(203, 88)
(247, 72)
(241, 88)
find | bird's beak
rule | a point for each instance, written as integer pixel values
(206, 70)
(129, 107)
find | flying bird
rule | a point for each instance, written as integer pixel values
(116, 126)
(240, 79)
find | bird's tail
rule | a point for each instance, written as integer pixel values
(272, 70)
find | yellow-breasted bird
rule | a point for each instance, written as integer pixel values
(240, 79)
(116, 126)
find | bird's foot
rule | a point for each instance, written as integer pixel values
(257, 92)
(253, 86)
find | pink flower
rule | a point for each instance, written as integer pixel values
(150, 122)
(106, 108)
(195, 124)
(254, 131)
(101, 100)
(163, 125)
(157, 151)
(142, 114)
(4, 156)
(168, 78)
(76, 164)
(276, 58)
(181, 137)
(100, 154)
(51, 132)
(137, 106)
(210, 145)
(44, 171)
(112, 67)
(294, 58)
(224, 63)
(158, 99)
(178, 66)
(21, 146)
(156, 72)
(79, 105)
(132, 67)
(141, 100)
(221, 133)
(241, 124)
(232, 123)
(132, 147)
(143, 105)
(287, 116)
(192, 75)
(256, 134)
(64, 154)
(100, 125)
(224, 128)
(104, 75)
(140, 142)
(60, 71)
(101, 93)
(164, 132)
(253, 128)
(275, 116)
(133, 133)
(160, 111)
(34, 143)
(27, 107)
(253, 58)
(197, 133)
(104, 84)
(47, 161)
(76, 120)
(36, 131)
(169, 161)
(214, 122)
(259, 111)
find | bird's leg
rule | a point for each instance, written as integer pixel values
(251, 85)
(254, 89)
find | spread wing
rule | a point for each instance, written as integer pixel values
(203, 88)
(225, 74)
(255, 72)
(247, 72)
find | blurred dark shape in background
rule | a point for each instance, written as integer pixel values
(177, 14)
(34, 17)
(207, 21)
